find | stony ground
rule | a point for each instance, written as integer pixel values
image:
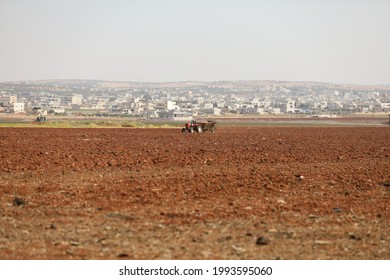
(241, 193)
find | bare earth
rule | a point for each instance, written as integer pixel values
(241, 193)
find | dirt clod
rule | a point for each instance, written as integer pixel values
(19, 201)
(262, 241)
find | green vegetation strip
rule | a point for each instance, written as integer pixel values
(112, 123)
(86, 124)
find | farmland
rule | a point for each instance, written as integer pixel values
(240, 193)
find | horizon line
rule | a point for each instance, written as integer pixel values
(190, 81)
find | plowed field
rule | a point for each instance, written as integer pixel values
(241, 193)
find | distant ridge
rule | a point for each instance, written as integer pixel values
(224, 83)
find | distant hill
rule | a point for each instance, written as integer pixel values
(221, 84)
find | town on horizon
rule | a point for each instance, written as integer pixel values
(188, 99)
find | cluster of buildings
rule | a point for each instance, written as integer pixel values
(186, 100)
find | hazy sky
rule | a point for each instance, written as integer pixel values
(203, 40)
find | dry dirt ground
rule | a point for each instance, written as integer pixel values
(240, 193)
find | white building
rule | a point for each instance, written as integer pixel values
(290, 106)
(385, 106)
(18, 107)
(175, 115)
(56, 109)
(208, 106)
(101, 104)
(77, 99)
(8, 99)
(211, 111)
(171, 105)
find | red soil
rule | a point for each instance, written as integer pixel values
(311, 193)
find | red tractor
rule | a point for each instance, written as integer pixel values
(199, 126)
